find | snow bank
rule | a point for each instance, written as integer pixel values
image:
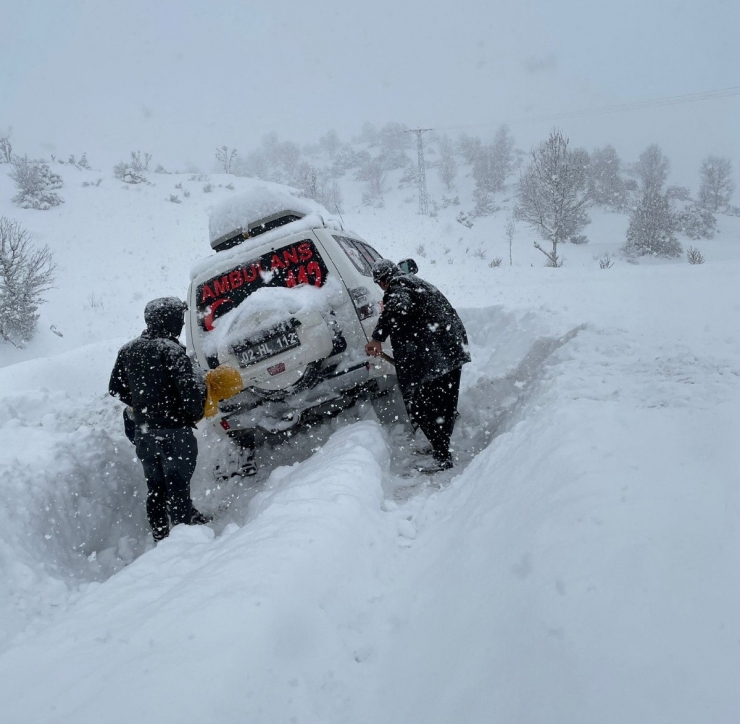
(72, 491)
(261, 624)
(582, 567)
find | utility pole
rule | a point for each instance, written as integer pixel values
(421, 172)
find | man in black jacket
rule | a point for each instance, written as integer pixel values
(155, 377)
(430, 346)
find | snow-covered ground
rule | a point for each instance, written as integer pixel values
(578, 565)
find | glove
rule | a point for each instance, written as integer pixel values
(221, 383)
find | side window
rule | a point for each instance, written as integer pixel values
(368, 252)
(358, 258)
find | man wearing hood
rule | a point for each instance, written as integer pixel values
(430, 346)
(155, 377)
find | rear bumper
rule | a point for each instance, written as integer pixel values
(337, 391)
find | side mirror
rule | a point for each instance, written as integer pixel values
(408, 266)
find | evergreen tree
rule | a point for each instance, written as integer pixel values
(651, 229)
(653, 222)
(605, 184)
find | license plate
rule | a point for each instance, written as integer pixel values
(249, 354)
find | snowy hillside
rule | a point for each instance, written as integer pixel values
(579, 564)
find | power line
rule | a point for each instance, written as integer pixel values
(616, 108)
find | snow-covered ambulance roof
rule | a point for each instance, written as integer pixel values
(256, 211)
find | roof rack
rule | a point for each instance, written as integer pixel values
(255, 228)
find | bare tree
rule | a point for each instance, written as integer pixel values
(717, 186)
(139, 164)
(373, 174)
(494, 163)
(25, 275)
(447, 164)
(226, 158)
(330, 143)
(470, 147)
(552, 196)
(6, 147)
(510, 230)
(652, 168)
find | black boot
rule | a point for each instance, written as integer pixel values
(198, 518)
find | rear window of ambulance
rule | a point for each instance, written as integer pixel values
(289, 266)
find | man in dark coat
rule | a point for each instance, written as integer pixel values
(155, 377)
(430, 346)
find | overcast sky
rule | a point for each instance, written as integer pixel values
(178, 78)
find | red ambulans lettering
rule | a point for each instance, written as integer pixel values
(206, 294)
(290, 255)
(235, 279)
(291, 266)
(251, 274)
(315, 271)
(221, 286)
(304, 251)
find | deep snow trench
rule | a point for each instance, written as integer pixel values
(75, 512)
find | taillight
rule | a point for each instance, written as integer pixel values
(225, 424)
(361, 299)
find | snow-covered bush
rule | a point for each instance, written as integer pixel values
(126, 173)
(553, 196)
(484, 203)
(464, 219)
(36, 184)
(25, 274)
(694, 256)
(652, 226)
(696, 222)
